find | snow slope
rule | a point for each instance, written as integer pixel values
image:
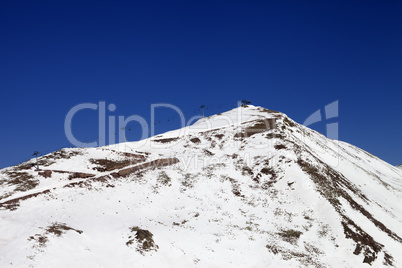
(231, 190)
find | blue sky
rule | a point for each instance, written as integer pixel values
(290, 56)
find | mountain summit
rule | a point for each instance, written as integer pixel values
(248, 188)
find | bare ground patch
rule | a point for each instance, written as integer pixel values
(142, 240)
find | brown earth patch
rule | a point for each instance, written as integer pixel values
(144, 240)
(13, 204)
(167, 140)
(152, 164)
(331, 185)
(109, 165)
(195, 140)
(46, 173)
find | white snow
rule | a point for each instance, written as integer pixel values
(215, 208)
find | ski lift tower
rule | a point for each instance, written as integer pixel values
(124, 133)
(244, 103)
(36, 156)
(202, 107)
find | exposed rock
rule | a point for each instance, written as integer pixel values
(46, 173)
(152, 164)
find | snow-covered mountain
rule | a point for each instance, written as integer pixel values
(245, 188)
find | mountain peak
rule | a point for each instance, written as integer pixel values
(236, 116)
(231, 120)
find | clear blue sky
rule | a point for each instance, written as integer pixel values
(290, 56)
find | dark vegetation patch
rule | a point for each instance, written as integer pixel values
(236, 191)
(80, 184)
(289, 122)
(6, 195)
(167, 140)
(214, 166)
(235, 186)
(60, 228)
(143, 239)
(164, 179)
(245, 170)
(267, 171)
(88, 183)
(195, 140)
(56, 229)
(109, 165)
(207, 152)
(140, 155)
(376, 222)
(162, 162)
(312, 249)
(267, 110)
(272, 135)
(65, 154)
(80, 175)
(364, 242)
(45, 173)
(208, 134)
(213, 144)
(257, 178)
(188, 181)
(326, 185)
(307, 217)
(210, 169)
(51, 158)
(13, 204)
(72, 175)
(290, 235)
(273, 248)
(23, 181)
(331, 185)
(47, 160)
(239, 135)
(388, 260)
(137, 155)
(40, 240)
(307, 259)
(24, 166)
(219, 136)
(279, 146)
(180, 223)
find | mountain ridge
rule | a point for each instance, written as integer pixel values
(279, 188)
